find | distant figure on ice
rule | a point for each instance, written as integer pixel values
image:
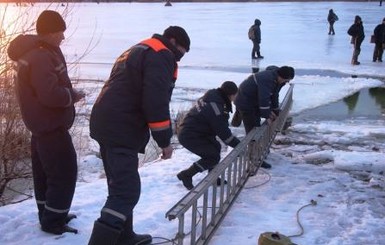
(332, 17)
(207, 119)
(357, 32)
(379, 36)
(46, 100)
(255, 36)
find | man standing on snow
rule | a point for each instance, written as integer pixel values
(379, 35)
(256, 39)
(134, 101)
(258, 96)
(207, 119)
(46, 100)
(358, 35)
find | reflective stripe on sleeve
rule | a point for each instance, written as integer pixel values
(158, 126)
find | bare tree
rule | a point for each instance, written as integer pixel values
(14, 137)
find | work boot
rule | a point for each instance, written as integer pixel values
(260, 57)
(137, 239)
(58, 230)
(129, 237)
(103, 234)
(70, 217)
(265, 165)
(186, 176)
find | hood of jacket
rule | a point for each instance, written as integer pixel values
(218, 96)
(21, 45)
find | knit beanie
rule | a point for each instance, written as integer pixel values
(357, 19)
(180, 36)
(229, 88)
(49, 22)
(286, 72)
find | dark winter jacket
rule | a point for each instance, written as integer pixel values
(209, 118)
(260, 93)
(332, 17)
(357, 32)
(43, 87)
(379, 34)
(136, 97)
(257, 31)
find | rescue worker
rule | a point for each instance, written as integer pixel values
(133, 102)
(46, 100)
(207, 119)
(258, 97)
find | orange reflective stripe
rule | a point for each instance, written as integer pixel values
(159, 125)
(154, 43)
(157, 45)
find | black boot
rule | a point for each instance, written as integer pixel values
(186, 176)
(58, 230)
(70, 217)
(129, 237)
(265, 165)
(138, 239)
(103, 234)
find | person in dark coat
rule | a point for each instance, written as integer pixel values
(256, 40)
(46, 100)
(258, 97)
(134, 102)
(332, 18)
(358, 35)
(207, 119)
(379, 36)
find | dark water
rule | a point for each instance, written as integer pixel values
(365, 104)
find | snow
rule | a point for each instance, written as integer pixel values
(339, 164)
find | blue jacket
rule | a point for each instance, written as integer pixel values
(260, 93)
(43, 87)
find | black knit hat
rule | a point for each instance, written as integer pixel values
(286, 72)
(229, 88)
(180, 36)
(49, 22)
(357, 19)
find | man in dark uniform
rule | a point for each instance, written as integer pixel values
(46, 100)
(206, 120)
(258, 96)
(134, 101)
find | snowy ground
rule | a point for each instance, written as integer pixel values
(339, 162)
